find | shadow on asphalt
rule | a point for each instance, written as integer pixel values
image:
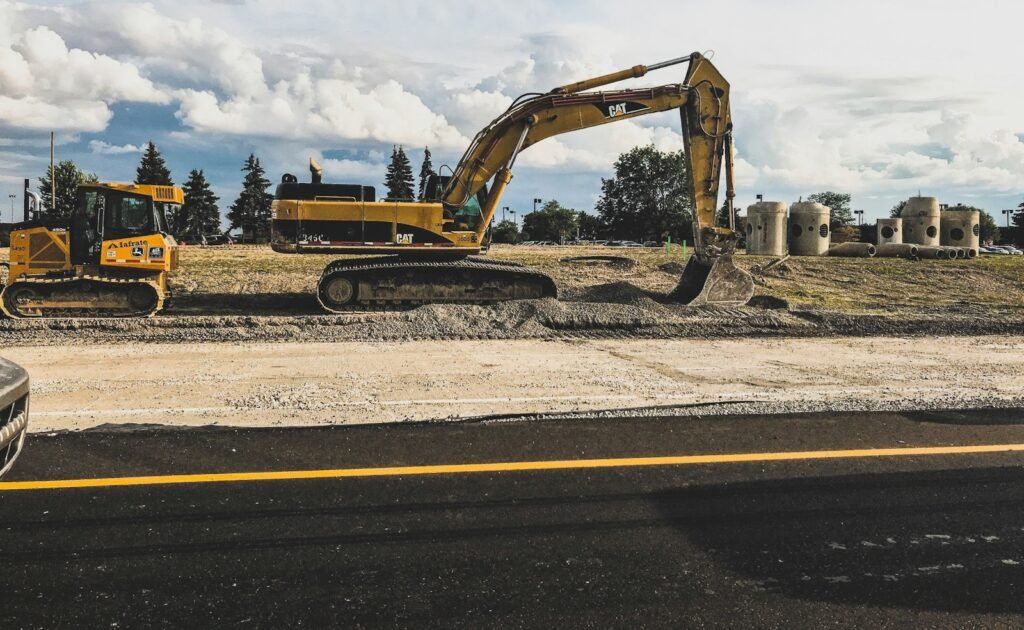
(968, 416)
(942, 541)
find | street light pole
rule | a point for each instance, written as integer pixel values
(535, 202)
(515, 221)
(1008, 213)
(12, 206)
(503, 209)
(860, 216)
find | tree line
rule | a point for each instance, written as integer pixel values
(198, 216)
(647, 198)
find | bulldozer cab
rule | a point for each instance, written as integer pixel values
(103, 213)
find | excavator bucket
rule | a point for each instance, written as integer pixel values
(718, 283)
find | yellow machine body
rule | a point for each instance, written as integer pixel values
(125, 275)
(429, 238)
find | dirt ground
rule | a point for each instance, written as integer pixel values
(354, 383)
(249, 293)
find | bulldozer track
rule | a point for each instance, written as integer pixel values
(10, 309)
(431, 272)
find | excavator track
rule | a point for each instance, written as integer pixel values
(393, 282)
(81, 296)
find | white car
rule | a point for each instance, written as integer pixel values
(13, 413)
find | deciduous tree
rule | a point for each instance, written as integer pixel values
(505, 232)
(839, 203)
(67, 179)
(648, 197)
(552, 222)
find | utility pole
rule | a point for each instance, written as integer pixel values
(53, 178)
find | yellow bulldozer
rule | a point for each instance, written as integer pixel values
(112, 260)
(429, 245)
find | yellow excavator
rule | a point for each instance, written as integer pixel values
(111, 261)
(430, 245)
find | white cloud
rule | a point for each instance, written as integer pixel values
(876, 112)
(103, 148)
(46, 85)
(329, 110)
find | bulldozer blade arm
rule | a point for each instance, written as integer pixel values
(719, 282)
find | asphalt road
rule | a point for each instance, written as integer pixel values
(855, 540)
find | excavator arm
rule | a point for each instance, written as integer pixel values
(703, 102)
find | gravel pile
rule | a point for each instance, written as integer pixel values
(613, 310)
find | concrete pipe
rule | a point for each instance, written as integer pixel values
(809, 229)
(961, 252)
(896, 250)
(972, 252)
(766, 229)
(933, 253)
(889, 231)
(961, 228)
(921, 221)
(853, 250)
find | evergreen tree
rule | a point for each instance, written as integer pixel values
(399, 180)
(199, 215)
(426, 170)
(152, 169)
(648, 197)
(68, 178)
(251, 211)
(897, 211)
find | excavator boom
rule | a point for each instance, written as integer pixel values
(703, 102)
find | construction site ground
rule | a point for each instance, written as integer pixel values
(249, 293)
(821, 334)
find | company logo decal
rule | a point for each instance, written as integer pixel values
(614, 109)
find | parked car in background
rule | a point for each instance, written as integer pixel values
(218, 239)
(652, 244)
(13, 413)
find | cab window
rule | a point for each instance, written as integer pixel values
(129, 215)
(468, 216)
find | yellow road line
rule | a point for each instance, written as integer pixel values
(456, 469)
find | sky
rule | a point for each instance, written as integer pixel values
(883, 100)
